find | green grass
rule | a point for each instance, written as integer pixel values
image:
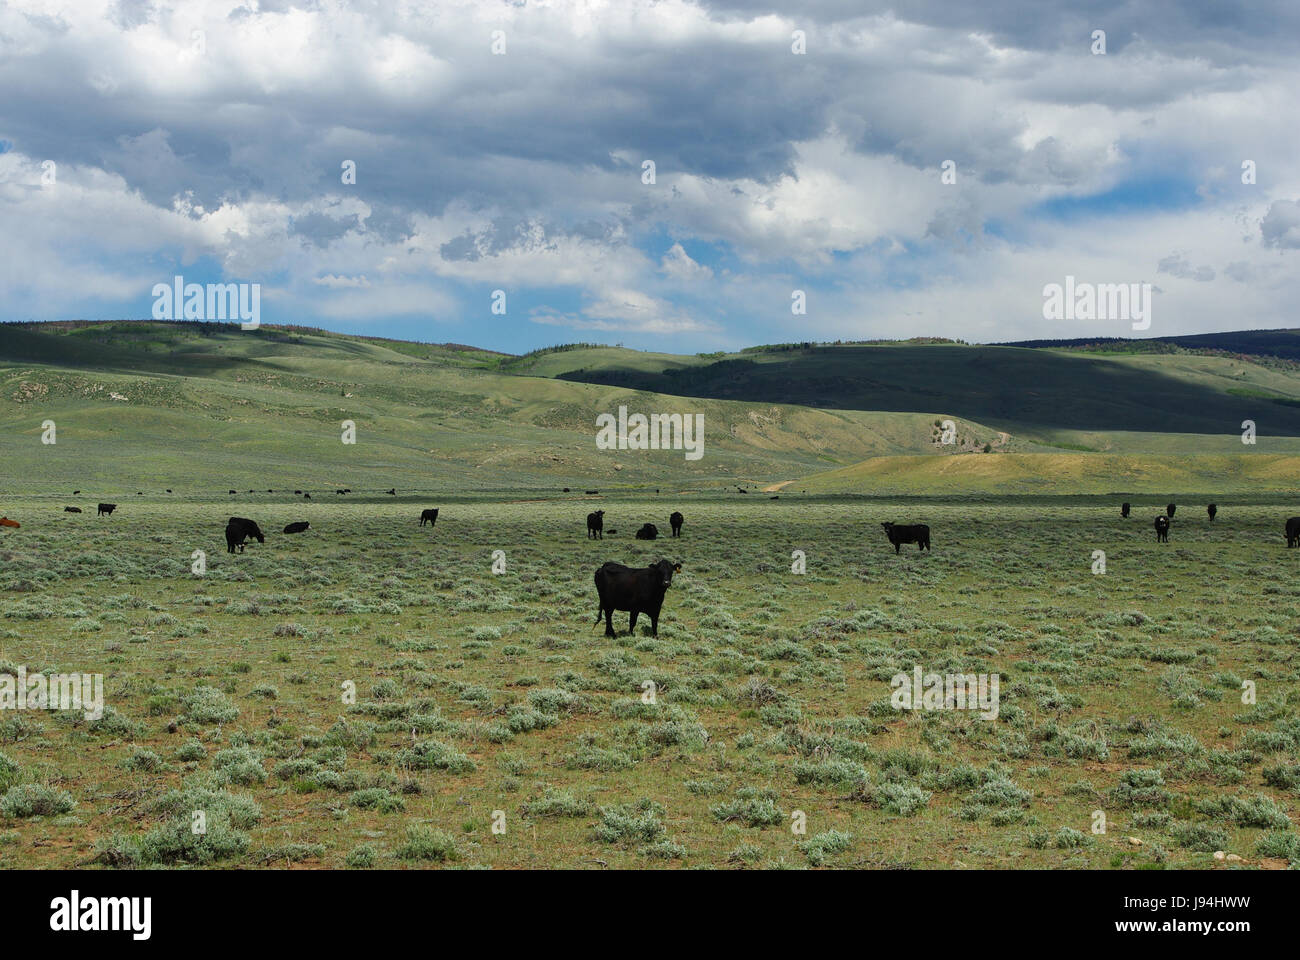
(482, 698)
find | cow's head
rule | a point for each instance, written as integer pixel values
(888, 526)
(599, 513)
(666, 571)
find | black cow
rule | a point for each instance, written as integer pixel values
(596, 525)
(232, 491)
(592, 493)
(71, 509)
(648, 531)
(1169, 510)
(306, 496)
(106, 509)
(1293, 532)
(1212, 510)
(1124, 510)
(297, 493)
(1162, 529)
(297, 527)
(169, 491)
(676, 521)
(392, 492)
(900, 534)
(429, 516)
(238, 530)
(636, 590)
(76, 493)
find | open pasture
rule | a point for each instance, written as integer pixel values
(489, 699)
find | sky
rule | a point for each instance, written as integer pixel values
(914, 168)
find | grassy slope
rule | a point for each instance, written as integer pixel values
(202, 411)
(211, 408)
(1036, 393)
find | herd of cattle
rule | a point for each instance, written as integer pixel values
(640, 590)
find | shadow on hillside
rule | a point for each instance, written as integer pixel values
(998, 386)
(143, 349)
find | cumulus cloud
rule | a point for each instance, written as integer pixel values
(214, 136)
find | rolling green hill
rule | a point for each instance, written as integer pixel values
(202, 408)
(1029, 392)
(206, 408)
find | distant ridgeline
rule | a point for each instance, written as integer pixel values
(1259, 345)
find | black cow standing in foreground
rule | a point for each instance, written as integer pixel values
(1293, 532)
(1124, 510)
(648, 531)
(1212, 510)
(106, 509)
(1169, 510)
(900, 534)
(297, 527)
(238, 530)
(596, 525)
(676, 521)
(429, 516)
(1162, 529)
(636, 590)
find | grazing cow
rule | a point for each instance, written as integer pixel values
(297, 493)
(900, 534)
(1162, 529)
(648, 531)
(1293, 532)
(566, 489)
(139, 493)
(306, 496)
(1169, 510)
(636, 590)
(297, 527)
(270, 491)
(428, 516)
(347, 489)
(1124, 510)
(596, 525)
(592, 493)
(1212, 510)
(238, 530)
(392, 492)
(232, 491)
(76, 493)
(169, 491)
(71, 509)
(106, 509)
(6, 522)
(676, 521)
(742, 490)
(774, 498)
(338, 492)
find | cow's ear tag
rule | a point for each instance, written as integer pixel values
(677, 568)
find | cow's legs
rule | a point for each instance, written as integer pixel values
(654, 624)
(631, 625)
(609, 621)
